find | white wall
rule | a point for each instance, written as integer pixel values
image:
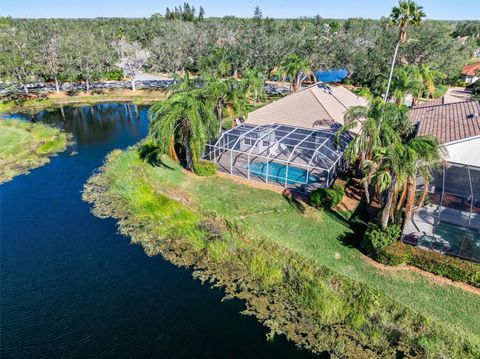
(471, 79)
(466, 151)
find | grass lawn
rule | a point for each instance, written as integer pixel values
(320, 236)
(25, 145)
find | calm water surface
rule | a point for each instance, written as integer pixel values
(72, 287)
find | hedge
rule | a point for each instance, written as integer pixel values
(205, 168)
(327, 197)
(454, 268)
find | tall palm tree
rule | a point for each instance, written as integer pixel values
(185, 118)
(408, 13)
(254, 80)
(406, 80)
(296, 69)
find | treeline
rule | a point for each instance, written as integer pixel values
(61, 50)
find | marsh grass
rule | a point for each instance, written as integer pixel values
(293, 259)
(25, 145)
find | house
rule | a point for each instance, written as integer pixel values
(471, 73)
(476, 53)
(318, 105)
(450, 222)
(290, 142)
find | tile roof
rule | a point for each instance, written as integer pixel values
(471, 70)
(309, 107)
(448, 122)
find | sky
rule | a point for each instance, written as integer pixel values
(373, 9)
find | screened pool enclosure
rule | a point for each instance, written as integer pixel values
(450, 221)
(288, 156)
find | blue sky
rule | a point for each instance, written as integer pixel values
(435, 9)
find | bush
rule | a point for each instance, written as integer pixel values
(114, 75)
(450, 267)
(327, 197)
(205, 169)
(377, 238)
(394, 254)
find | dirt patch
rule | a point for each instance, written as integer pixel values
(384, 269)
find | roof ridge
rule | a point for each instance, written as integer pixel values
(443, 104)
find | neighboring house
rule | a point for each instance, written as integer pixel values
(471, 73)
(476, 53)
(450, 222)
(290, 142)
(457, 127)
(316, 106)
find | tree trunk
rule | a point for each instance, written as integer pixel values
(391, 70)
(219, 111)
(402, 197)
(188, 153)
(57, 87)
(133, 84)
(25, 89)
(426, 182)
(255, 98)
(410, 198)
(388, 204)
(365, 187)
(87, 85)
(172, 153)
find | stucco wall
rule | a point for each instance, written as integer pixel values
(465, 152)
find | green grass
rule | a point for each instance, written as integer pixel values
(25, 145)
(264, 227)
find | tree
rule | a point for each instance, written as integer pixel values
(52, 58)
(186, 118)
(407, 13)
(296, 69)
(257, 13)
(254, 80)
(132, 59)
(201, 14)
(18, 57)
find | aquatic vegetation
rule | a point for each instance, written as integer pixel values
(25, 145)
(280, 261)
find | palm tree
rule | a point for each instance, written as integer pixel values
(407, 13)
(228, 94)
(186, 118)
(254, 80)
(406, 80)
(296, 69)
(430, 78)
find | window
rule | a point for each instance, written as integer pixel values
(248, 141)
(265, 143)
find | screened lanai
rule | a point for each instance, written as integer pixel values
(450, 221)
(280, 154)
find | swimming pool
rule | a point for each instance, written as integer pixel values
(333, 75)
(456, 240)
(278, 171)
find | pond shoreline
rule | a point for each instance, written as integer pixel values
(26, 146)
(272, 305)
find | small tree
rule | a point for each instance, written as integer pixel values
(132, 59)
(297, 69)
(52, 59)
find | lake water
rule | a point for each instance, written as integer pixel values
(71, 287)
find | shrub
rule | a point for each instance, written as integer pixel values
(376, 238)
(447, 266)
(114, 75)
(327, 197)
(394, 254)
(205, 168)
(450, 267)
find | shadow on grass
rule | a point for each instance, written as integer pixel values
(149, 153)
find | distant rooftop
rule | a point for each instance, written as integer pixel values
(316, 106)
(471, 70)
(448, 122)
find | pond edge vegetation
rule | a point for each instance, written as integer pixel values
(309, 303)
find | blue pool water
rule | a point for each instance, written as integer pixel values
(278, 171)
(333, 75)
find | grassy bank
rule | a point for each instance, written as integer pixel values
(35, 103)
(291, 264)
(24, 146)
